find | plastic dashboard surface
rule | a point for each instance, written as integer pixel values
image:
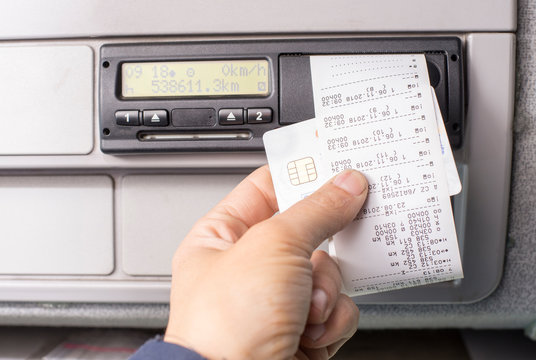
(488, 32)
(481, 219)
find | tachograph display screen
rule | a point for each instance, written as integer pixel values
(195, 78)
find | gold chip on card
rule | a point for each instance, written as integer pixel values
(302, 171)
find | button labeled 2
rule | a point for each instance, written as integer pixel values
(256, 116)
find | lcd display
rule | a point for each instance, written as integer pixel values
(195, 79)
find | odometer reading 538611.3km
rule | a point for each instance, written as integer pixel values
(195, 78)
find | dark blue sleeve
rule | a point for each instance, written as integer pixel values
(156, 349)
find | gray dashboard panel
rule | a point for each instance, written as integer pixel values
(149, 238)
(98, 18)
(41, 238)
(48, 126)
(512, 305)
(473, 287)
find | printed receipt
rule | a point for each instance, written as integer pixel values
(376, 114)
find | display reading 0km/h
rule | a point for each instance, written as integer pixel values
(195, 78)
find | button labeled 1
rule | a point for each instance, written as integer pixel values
(127, 117)
(257, 116)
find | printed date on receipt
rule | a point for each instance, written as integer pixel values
(377, 114)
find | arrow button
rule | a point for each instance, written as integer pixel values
(231, 116)
(155, 118)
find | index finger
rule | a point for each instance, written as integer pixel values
(252, 201)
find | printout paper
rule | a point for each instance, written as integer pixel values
(377, 114)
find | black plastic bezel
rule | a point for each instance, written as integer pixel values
(444, 52)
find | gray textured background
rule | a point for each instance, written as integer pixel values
(512, 305)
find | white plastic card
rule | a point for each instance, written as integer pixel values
(376, 114)
(293, 147)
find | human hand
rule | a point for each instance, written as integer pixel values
(249, 285)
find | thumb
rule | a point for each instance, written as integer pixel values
(320, 215)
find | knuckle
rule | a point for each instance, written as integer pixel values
(225, 228)
(350, 314)
(330, 287)
(325, 264)
(328, 280)
(329, 201)
(282, 237)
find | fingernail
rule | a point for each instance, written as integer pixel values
(351, 181)
(319, 300)
(314, 332)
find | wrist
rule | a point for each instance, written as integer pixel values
(209, 351)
